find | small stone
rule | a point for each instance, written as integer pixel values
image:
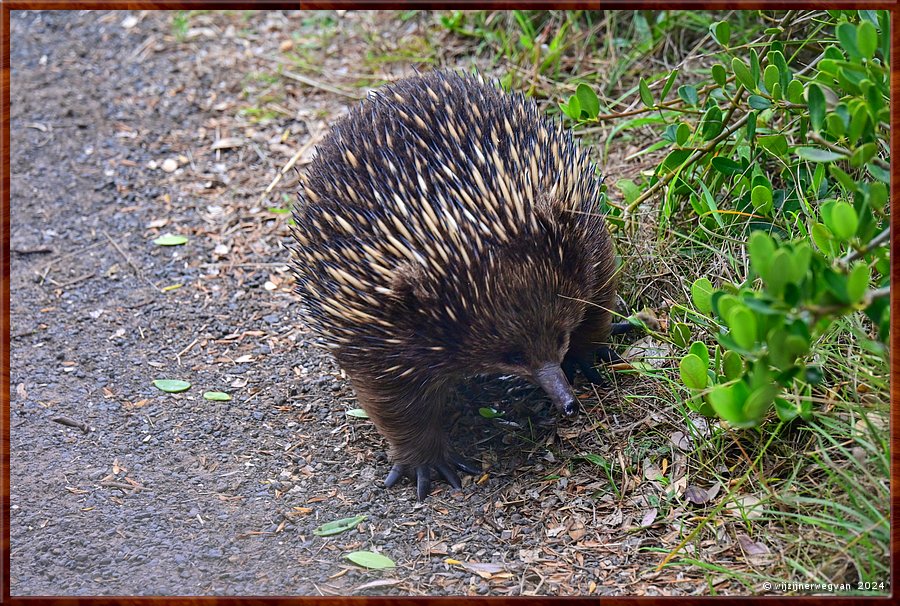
(169, 165)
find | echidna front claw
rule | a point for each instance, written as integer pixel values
(422, 474)
(394, 475)
(423, 481)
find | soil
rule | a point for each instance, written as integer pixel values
(129, 126)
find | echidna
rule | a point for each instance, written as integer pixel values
(446, 229)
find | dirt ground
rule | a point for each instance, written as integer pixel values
(128, 126)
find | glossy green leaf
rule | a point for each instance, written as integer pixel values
(866, 39)
(780, 272)
(358, 413)
(668, 85)
(774, 144)
(823, 238)
(777, 91)
(170, 240)
(795, 92)
(630, 190)
(216, 396)
(680, 334)
(761, 198)
(754, 67)
(693, 372)
(761, 248)
(770, 77)
(846, 181)
(718, 74)
(726, 166)
(688, 94)
(701, 293)
(835, 125)
(879, 173)
(574, 108)
(846, 34)
(721, 31)
(786, 411)
(815, 154)
(682, 133)
(370, 559)
(743, 74)
(751, 126)
(801, 257)
(699, 349)
(758, 402)
(816, 101)
(490, 413)
(727, 405)
(674, 160)
(858, 282)
(338, 526)
(742, 324)
(859, 119)
(646, 95)
(732, 365)
(877, 197)
(862, 154)
(587, 100)
(757, 102)
(712, 123)
(724, 304)
(171, 385)
(844, 221)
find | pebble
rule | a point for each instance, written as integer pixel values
(169, 165)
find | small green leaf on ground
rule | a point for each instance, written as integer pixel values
(490, 413)
(595, 459)
(370, 559)
(216, 396)
(171, 385)
(359, 413)
(170, 240)
(338, 526)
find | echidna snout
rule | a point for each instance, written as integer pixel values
(553, 381)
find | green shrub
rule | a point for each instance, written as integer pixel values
(782, 147)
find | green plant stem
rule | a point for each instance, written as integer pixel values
(861, 252)
(698, 153)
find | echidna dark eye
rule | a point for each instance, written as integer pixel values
(514, 358)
